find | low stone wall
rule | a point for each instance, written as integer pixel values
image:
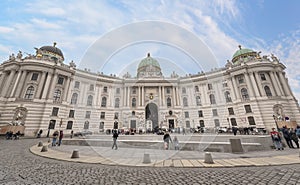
(189, 143)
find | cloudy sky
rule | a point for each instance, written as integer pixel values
(120, 33)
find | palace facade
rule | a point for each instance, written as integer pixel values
(40, 91)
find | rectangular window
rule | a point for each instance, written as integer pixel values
(91, 87)
(186, 114)
(102, 115)
(224, 83)
(230, 111)
(263, 77)
(71, 113)
(105, 89)
(69, 125)
(60, 80)
(251, 120)
(201, 122)
(118, 91)
(76, 85)
(217, 123)
(200, 113)
(215, 112)
(116, 115)
(88, 114)
(240, 79)
(248, 109)
(188, 124)
(210, 87)
(34, 76)
(168, 90)
(55, 111)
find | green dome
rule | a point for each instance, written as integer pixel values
(242, 53)
(149, 61)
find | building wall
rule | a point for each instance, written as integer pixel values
(16, 76)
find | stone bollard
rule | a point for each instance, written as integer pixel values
(75, 154)
(44, 149)
(147, 159)
(208, 158)
(40, 144)
(236, 146)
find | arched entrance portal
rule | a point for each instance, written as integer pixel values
(152, 114)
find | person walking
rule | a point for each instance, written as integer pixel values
(167, 139)
(287, 136)
(61, 135)
(276, 139)
(72, 133)
(115, 137)
(294, 137)
(297, 130)
(54, 138)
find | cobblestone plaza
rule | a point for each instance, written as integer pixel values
(20, 166)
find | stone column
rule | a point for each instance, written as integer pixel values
(46, 88)
(232, 90)
(15, 84)
(139, 96)
(159, 95)
(253, 81)
(262, 92)
(21, 84)
(124, 96)
(52, 86)
(66, 89)
(249, 85)
(2, 77)
(163, 95)
(128, 96)
(284, 82)
(235, 87)
(8, 83)
(204, 94)
(143, 96)
(178, 96)
(278, 83)
(275, 85)
(41, 83)
(174, 97)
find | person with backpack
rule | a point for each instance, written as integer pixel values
(115, 137)
(276, 139)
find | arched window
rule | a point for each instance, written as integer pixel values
(169, 104)
(57, 95)
(89, 100)
(117, 103)
(268, 91)
(133, 103)
(196, 88)
(245, 94)
(185, 102)
(198, 100)
(74, 98)
(103, 102)
(212, 99)
(227, 97)
(183, 90)
(29, 92)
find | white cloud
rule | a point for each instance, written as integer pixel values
(5, 30)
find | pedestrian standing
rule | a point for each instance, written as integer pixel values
(276, 139)
(297, 130)
(167, 139)
(234, 130)
(54, 138)
(72, 132)
(115, 137)
(176, 143)
(61, 135)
